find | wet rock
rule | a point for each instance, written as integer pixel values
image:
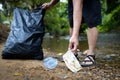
(62, 76)
(26, 78)
(109, 57)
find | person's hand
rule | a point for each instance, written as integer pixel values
(73, 43)
(46, 5)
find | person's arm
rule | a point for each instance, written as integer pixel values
(49, 4)
(77, 17)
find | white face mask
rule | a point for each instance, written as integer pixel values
(71, 61)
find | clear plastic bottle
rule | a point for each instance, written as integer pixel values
(50, 62)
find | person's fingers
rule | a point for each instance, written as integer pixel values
(74, 48)
(45, 5)
(73, 44)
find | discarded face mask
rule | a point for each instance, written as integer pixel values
(71, 61)
(50, 63)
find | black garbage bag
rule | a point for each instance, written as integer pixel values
(26, 35)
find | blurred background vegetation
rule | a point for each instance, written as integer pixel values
(56, 19)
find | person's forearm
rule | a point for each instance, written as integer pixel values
(77, 16)
(53, 2)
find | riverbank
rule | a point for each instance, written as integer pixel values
(34, 70)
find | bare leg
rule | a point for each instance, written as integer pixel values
(92, 35)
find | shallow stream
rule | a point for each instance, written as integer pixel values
(107, 48)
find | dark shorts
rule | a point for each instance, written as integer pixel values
(91, 13)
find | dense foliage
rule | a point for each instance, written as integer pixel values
(56, 19)
(110, 16)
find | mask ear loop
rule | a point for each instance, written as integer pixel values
(75, 53)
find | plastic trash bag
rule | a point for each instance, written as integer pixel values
(71, 61)
(26, 35)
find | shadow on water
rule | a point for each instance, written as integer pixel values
(107, 48)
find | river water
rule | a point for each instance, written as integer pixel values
(107, 48)
(106, 43)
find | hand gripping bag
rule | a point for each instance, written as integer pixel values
(26, 35)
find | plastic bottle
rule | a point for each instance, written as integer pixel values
(50, 62)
